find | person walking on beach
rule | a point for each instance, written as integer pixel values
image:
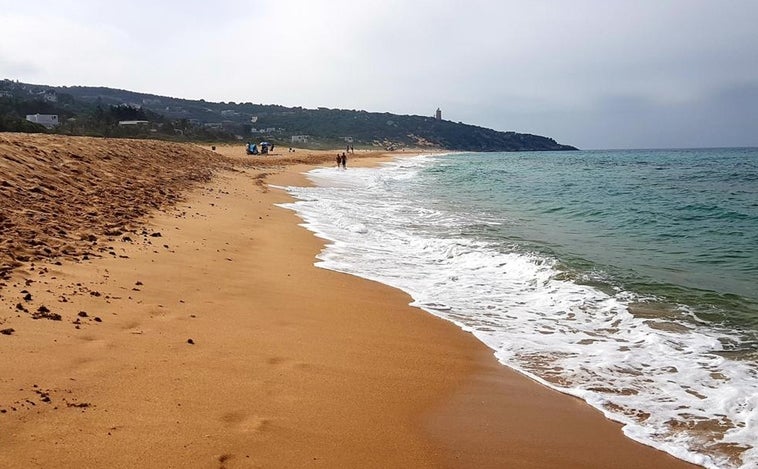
(344, 160)
(339, 160)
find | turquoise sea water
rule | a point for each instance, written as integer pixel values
(626, 278)
(678, 225)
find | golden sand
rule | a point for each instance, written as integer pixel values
(176, 320)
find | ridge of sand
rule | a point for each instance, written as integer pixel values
(59, 195)
(203, 336)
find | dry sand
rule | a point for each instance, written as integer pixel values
(180, 322)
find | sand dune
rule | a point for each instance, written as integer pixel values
(64, 198)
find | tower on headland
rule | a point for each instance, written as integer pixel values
(438, 114)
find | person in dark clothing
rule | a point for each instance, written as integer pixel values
(344, 161)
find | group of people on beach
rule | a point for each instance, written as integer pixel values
(252, 148)
(342, 160)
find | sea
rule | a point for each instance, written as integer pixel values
(626, 278)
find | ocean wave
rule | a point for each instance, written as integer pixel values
(664, 374)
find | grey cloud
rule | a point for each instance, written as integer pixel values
(14, 69)
(588, 72)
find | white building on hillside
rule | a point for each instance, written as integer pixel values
(48, 120)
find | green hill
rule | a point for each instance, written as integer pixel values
(98, 111)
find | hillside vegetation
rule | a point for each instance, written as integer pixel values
(98, 111)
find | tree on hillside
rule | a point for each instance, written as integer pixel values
(125, 112)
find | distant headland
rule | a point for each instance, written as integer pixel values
(108, 112)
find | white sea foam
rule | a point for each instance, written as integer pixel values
(664, 381)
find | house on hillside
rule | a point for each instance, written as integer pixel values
(133, 122)
(299, 138)
(48, 120)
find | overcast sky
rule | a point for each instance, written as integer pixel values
(590, 73)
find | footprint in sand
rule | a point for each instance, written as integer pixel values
(285, 361)
(275, 360)
(130, 325)
(244, 423)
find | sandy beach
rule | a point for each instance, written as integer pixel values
(158, 309)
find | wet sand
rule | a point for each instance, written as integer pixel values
(163, 312)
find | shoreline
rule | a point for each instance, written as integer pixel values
(211, 340)
(503, 394)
